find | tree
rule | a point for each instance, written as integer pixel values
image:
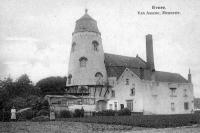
(20, 93)
(52, 85)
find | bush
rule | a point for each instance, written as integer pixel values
(26, 115)
(5, 116)
(79, 113)
(151, 121)
(124, 111)
(106, 113)
(65, 114)
(43, 112)
(40, 118)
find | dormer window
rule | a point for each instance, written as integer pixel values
(95, 45)
(83, 61)
(73, 46)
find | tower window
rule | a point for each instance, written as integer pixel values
(95, 45)
(69, 79)
(99, 75)
(83, 61)
(73, 46)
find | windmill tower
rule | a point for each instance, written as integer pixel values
(86, 65)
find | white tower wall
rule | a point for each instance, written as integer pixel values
(95, 59)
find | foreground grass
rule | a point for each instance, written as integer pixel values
(151, 121)
(78, 127)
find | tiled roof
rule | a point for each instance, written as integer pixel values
(116, 64)
(169, 77)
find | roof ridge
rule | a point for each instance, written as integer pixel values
(120, 55)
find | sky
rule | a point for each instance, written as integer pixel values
(36, 35)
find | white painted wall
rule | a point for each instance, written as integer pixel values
(152, 97)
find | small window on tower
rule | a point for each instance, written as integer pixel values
(73, 46)
(95, 45)
(99, 75)
(83, 61)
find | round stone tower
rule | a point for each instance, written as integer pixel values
(86, 65)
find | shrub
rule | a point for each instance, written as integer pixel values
(79, 113)
(65, 114)
(26, 115)
(152, 121)
(5, 116)
(106, 113)
(40, 118)
(124, 111)
(43, 112)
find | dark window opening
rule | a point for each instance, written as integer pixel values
(69, 78)
(122, 106)
(95, 45)
(127, 81)
(83, 61)
(113, 93)
(133, 92)
(186, 105)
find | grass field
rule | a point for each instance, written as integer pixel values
(78, 127)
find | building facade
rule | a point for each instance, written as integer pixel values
(108, 81)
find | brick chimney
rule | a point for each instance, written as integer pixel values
(149, 53)
(189, 77)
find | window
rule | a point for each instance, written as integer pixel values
(95, 45)
(99, 75)
(115, 103)
(173, 92)
(113, 93)
(73, 46)
(130, 104)
(83, 61)
(110, 106)
(186, 105)
(127, 81)
(122, 106)
(185, 93)
(132, 92)
(69, 79)
(172, 107)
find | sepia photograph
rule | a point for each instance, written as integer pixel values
(87, 66)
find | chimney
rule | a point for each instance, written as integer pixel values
(189, 77)
(149, 53)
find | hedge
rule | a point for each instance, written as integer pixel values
(153, 121)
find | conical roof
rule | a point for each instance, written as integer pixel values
(86, 23)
